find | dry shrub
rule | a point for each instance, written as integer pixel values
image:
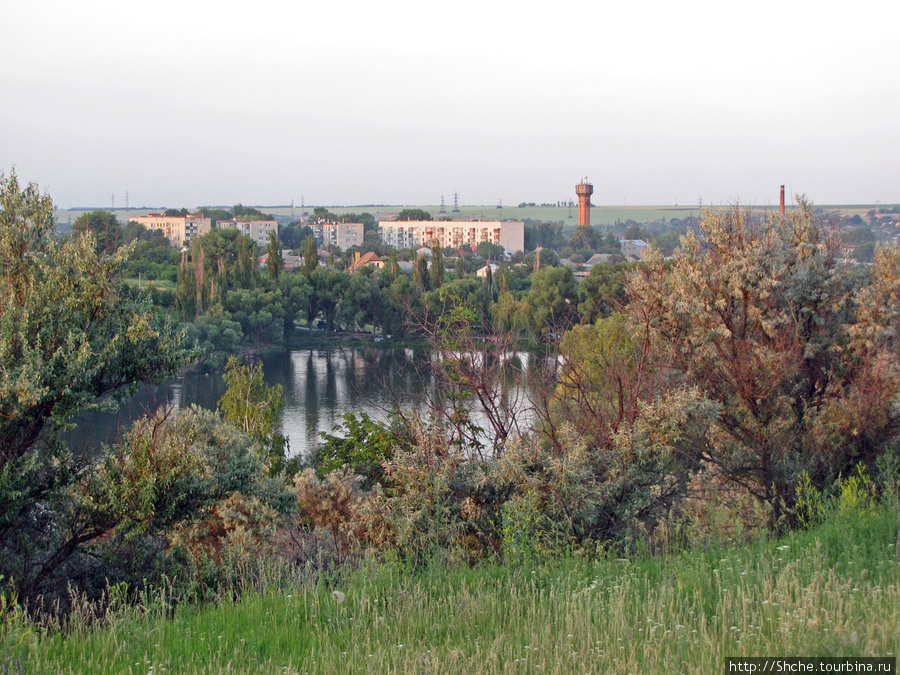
(438, 499)
(238, 530)
(556, 494)
(718, 510)
(336, 517)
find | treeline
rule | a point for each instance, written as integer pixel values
(227, 302)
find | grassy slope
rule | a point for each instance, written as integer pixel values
(834, 591)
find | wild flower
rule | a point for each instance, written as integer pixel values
(338, 596)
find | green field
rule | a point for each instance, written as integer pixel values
(600, 215)
(831, 591)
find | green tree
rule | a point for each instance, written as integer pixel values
(253, 407)
(585, 237)
(73, 337)
(330, 286)
(437, 266)
(104, 227)
(310, 256)
(355, 304)
(603, 290)
(275, 261)
(413, 214)
(295, 297)
(259, 311)
(219, 332)
(420, 272)
(552, 302)
(247, 272)
(362, 446)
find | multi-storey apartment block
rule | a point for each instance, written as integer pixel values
(342, 235)
(257, 230)
(179, 229)
(456, 234)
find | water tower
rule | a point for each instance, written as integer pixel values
(584, 190)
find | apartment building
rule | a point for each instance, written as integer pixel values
(456, 234)
(178, 229)
(342, 235)
(257, 230)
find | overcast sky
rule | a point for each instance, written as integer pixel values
(392, 102)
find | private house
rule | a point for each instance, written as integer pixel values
(634, 248)
(366, 260)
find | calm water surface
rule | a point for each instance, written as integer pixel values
(320, 385)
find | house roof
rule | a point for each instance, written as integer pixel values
(369, 258)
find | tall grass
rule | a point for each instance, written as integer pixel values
(830, 591)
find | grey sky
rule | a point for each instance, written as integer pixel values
(188, 103)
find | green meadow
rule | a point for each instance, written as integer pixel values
(830, 591)
(601, 215)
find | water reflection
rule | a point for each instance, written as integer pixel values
(319, 387)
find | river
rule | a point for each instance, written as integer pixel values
(320, 385)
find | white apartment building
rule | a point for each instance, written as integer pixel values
(510, 234)
(257, 230)
(342, 235)
(178, 229)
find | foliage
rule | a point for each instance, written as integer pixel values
(310, 256)
(603, 291)
(776, 330)
(552, 302)
(275, 262)
(72, 338)
(413, 214)
(254, 407)
(103, 226)
(361, 445)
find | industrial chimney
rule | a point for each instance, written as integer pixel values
(584, 190)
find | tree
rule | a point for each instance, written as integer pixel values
(437, 266)
(275, 262)
(73, 337)
(552, 302)
(355, 308)
(603, 292)
(104, 228)
(762, 316)
(585, 237)
(253, 407)
(330, 286)
(420, 272)
(247, 273)
(295, 296)
(413, 214)
(490, 251)
(260, 313)
(310, 256)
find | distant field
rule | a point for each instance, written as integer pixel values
(600, 215)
